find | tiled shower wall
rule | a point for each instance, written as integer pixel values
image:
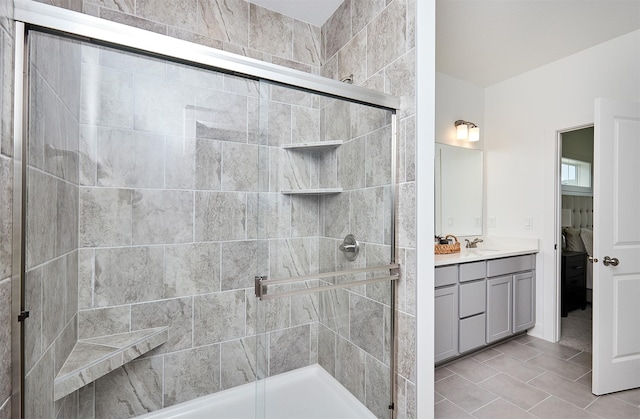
(373, 40)
(172, 229)
(52, 227)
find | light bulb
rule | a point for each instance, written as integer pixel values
(474, 134)
(462, 131)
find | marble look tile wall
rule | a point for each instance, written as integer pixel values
(177, 215)
(374, 41)
(233, 25)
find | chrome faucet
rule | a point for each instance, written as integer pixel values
(473, 244)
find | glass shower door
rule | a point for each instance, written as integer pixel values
(326, 278)
(143, 177)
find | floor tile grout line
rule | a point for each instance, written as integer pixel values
(565, 400)
(569, 362)
(593, 413)
(539, 375)
(567, 378)
(485, 405)
(489, 359)
(539, 403)
(555, 351)
(581, 352)
(622, 400)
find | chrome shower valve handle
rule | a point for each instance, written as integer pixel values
(350, 247)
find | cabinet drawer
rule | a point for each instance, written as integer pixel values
(471, 271)
(472, 333)
(473, 297)
(574, 268)
(446, 275)
(509, 265)
(574, 283)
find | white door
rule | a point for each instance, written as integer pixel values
(616, 286)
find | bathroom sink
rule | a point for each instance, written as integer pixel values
(478, 250)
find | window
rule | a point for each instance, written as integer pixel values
(575, 177)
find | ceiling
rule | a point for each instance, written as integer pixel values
(487, 41)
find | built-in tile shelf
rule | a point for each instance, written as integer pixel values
(326, 191)
(93, 358)
(319, 146)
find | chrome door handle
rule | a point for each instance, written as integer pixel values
(592, 259)
(610, 261)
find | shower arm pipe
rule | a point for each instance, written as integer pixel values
(103, 31)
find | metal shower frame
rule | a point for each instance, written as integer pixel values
(31, 15)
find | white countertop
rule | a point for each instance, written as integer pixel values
(491, 248)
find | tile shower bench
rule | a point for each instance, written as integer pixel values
(93, 358)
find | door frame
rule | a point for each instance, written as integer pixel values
(557, 329)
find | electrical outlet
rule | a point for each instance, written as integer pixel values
(492, 222)
(450, 222)
(478, 222)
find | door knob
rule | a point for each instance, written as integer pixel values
(592, 259)
(610, 261)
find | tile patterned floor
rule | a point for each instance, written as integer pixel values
(527, 378)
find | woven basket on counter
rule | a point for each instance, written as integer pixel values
(443, 249)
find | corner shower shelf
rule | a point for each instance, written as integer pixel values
(93, 358)
(319, 146)
(326, 191)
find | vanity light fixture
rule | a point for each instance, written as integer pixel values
(467, 131)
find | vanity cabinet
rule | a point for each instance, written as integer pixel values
(446, 317)
(510, 296)
(481, 302)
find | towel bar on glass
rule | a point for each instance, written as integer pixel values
(261, 282)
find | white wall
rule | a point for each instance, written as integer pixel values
(522, 117)
(425, 129)
(457, 99)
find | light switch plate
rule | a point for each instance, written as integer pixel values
(528, 223)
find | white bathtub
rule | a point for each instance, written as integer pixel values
(309, 393)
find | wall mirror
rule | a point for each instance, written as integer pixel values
(458, 189)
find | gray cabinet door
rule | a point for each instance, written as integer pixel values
(472, 333)
(499, 306)
(446, 327)
(524, 307)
